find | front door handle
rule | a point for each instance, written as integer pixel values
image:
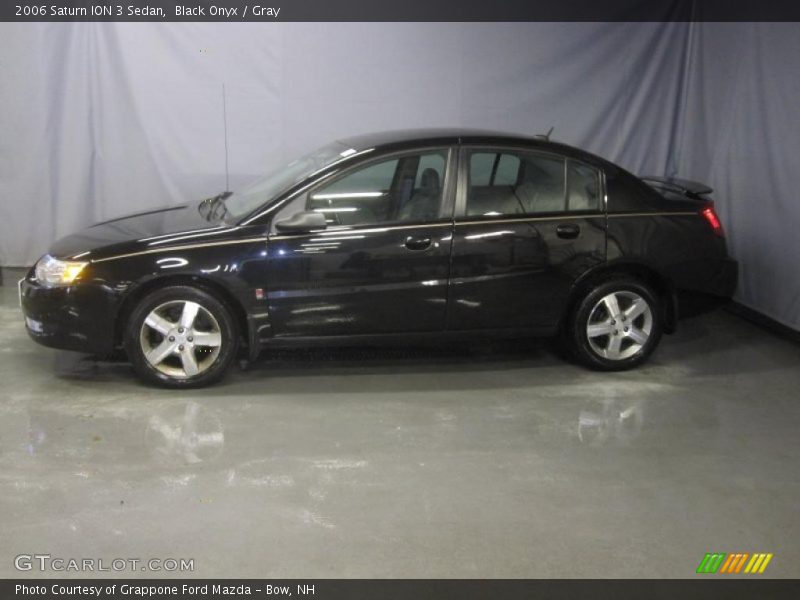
(568, 231)
(418, 243)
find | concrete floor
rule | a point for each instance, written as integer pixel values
(469, 462)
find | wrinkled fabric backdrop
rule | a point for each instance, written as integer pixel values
(99, 120)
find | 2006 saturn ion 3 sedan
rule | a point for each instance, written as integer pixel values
(394, 236)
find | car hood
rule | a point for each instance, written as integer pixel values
(132, 232)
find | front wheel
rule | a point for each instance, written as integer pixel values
(181, 337)
(616, 326)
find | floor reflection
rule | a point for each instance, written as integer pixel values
(610, 420)
(189, 433)
(484, 460)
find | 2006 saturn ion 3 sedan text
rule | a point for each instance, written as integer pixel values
(391, 236)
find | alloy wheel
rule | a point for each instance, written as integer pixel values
(180, 338)
(619, 325)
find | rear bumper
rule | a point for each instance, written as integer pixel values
(724, 283)
(714, 290)
(79, 318)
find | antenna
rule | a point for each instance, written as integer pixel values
(545, 136)
(225, 123)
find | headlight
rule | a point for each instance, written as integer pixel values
(51, 271)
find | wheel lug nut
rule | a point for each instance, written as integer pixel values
(172, 338)
(190, 339)
(180, 329)
(626, 329)
(180, 347)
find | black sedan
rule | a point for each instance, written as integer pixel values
(399, 236)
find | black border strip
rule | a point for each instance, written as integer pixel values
(429, 589)
(417, 10)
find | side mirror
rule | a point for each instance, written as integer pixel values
(302, 222)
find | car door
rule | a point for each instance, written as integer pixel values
(528, 224)
(382, 264)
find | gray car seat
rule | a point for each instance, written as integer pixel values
(538, 191)
(424, 204)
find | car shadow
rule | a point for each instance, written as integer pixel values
(300, 370)
(400, 364)
(722, 343)
(705, 345)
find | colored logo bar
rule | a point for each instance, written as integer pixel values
(735, 562)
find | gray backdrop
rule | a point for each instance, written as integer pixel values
(99, 120)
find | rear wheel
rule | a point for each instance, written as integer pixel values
(616, 326)
(181, 337)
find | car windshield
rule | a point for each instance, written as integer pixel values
(241, 203)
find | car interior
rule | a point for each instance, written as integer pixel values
(409, 189)
(527, 185)
(402, 189)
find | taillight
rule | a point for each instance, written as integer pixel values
(713, 220)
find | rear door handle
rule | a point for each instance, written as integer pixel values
(568, 231)
(418, 243)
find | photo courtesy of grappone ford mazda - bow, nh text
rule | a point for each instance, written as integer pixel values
(395, 237)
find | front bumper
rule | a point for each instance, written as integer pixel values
(79, 317)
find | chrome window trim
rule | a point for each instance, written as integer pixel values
(683, 213)
(523, 219)
(565, 217)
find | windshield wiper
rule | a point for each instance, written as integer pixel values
(210, 206)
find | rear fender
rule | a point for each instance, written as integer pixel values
(647, 274)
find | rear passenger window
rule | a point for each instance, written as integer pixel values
(507, 170)
(480, 168)
(514, 183)
(584, 187)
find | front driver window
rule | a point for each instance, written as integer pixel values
(403, 189)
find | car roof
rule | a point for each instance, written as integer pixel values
(409, 138)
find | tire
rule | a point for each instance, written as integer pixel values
(616, 326)
(181, 337)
